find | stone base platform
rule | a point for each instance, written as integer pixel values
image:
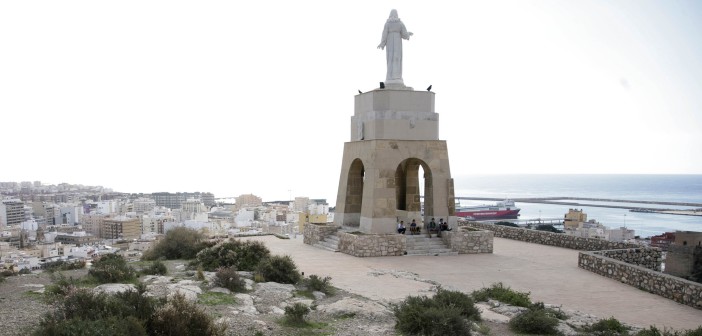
(463, 240)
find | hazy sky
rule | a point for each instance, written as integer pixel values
(256, 97)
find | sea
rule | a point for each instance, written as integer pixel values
(668, 188)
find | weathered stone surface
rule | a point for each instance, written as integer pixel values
(114, 288)
(372, 245)
(466, 240)
(245, 304)
(314, 233)
(220, 290)
(351, 306)
(185, 288)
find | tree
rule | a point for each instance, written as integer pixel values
(179, 243)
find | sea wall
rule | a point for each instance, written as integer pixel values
(674, 288)
(466, 240)
(549, 238)
(313, 233)
(372, 245)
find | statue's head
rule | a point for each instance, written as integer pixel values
(393, 14)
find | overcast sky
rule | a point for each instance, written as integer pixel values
(238, 97)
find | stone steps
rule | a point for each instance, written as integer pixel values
(329, 243)
(421, 245)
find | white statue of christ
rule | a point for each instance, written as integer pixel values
(393, 33)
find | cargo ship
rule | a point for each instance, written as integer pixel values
(502, 210)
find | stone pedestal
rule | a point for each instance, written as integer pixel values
(393, 133)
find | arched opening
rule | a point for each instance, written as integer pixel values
(412, 178)
(354, 193)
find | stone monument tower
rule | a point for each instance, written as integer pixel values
(394, 132)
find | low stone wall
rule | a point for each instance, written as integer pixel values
(372, 245)
(313, 233)
(549, 238)
(650, 258)
(465, 240)
(676, 289)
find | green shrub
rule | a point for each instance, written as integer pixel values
(228, 278)
(179, 317)
(316, 283)
(61, 265)
(156, 268)
(244, 255)
(557, 313)
(280, 269)
(61, 286)
(84, 312)
(510, 224)
(503, 294)
(548, 228)
(419, 315)
(295, 314)
(653, 331)
(179, 243)
(112, 268)
(535, 322)
(457, 300)
(112, 326)
(610, 326)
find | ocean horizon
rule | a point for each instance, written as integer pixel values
(640, 187)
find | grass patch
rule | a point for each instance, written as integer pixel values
(304, 293)
(216, 299)
(34, 295)
(503, 294)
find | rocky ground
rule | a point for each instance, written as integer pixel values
(258, 311)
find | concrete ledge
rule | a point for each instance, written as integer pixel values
(550, 238)
(677, 289)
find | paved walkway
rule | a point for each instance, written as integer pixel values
(549, 273)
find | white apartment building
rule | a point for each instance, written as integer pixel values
(143, 205)
(11, 212)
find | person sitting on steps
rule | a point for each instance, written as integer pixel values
(431, 227)
(413, 227)
(401, 227)
(443, 226)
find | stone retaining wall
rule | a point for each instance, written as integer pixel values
(549, 238)
(372, 245)
(313, 233)
(467, 240)
(650, 258)
(676, 289)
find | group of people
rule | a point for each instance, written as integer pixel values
(432, 227)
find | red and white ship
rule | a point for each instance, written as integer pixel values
(502, 210)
